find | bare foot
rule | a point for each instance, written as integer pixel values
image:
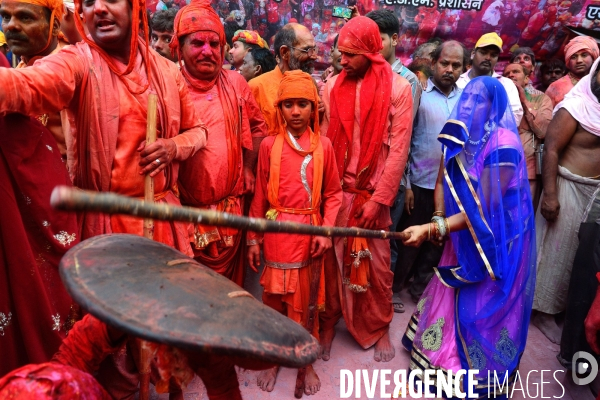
(547, 325)
(267, 378)
(326, 340)
(384, 350)
(312, 384)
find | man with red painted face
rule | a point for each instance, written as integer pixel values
(217, 176)
(105, 82)
(368, 118)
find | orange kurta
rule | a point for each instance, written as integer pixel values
(286, 279)
(110, 123)
(264, 88)
(57, 123)
(369, 314)
(203, 177)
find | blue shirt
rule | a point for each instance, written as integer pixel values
(425, 150)
(416, 89)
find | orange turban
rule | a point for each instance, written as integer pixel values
(581, 43)
(297, 85)
(56, 8)
(196, 16)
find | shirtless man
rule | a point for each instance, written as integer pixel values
(571, 172)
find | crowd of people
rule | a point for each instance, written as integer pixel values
(488, 177)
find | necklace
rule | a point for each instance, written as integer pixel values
(483, 139)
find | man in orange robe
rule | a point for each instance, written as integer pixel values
(105, 82)
(296, 48)
(33, 31)
(368, 118)
(217, 176)
(296, 179)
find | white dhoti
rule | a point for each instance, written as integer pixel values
(557, 241)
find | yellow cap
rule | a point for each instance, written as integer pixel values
(2, 39)
(489, 39)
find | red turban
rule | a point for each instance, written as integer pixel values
(361, 36)
(581, 43)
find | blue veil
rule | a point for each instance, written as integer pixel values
(485, 178)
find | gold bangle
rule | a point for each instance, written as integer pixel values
(429, 231)
(447, 223)
(439, 214)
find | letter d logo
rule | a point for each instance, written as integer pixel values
(585, 368)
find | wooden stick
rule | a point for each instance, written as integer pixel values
(149, 181)
(69, 199)
(145, 354)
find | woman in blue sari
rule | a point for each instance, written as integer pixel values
(475, 312)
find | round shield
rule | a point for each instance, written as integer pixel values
(157, 293)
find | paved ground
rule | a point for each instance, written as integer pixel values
(540, 354)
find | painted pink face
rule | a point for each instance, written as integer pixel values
(202, 54)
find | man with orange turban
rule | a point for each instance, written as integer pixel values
(104, 82)
(32, 29)
(295, 46)
(296, 179)
(368, 118)
(580, 54)
(217, 176)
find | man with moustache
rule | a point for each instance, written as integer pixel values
(532, 130)
(437, 101)
(571, 174)
(484, 58)
(296, 49)
(218, 175)
(580, 54)
(32, 30)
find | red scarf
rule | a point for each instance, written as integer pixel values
(361, 36)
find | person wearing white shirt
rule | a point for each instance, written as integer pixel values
(484, 58)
